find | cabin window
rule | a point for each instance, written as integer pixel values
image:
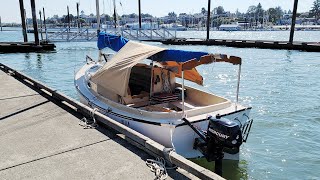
(140, 79)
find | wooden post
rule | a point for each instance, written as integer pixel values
(78, 17)
(293, 24)
(23, 21)
(139, 3)
(41, 26)
(208, 19)
(35, 24)
(44, 22)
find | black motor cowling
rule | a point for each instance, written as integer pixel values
(225, 133)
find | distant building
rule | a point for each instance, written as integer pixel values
(229, 27)
(244, 24)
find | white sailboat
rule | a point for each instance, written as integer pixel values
(137, 86)
(146, 97)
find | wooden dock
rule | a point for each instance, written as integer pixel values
(15, 47)
(302, 46)
(40, 138)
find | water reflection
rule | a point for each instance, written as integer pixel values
(27, 55)
(230, 169)
(39, 61)
(288, 56)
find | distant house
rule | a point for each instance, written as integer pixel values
(229, 27)
(287, 16)
(144, 25)
(244, 24)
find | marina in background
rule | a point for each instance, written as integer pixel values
(271, 82)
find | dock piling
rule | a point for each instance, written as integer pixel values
(35, 24)
(0, 24)
(139, 4)
(23, 21)
(294, 16)
(78, 18)
(208, 19)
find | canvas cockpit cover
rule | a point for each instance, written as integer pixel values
(115, 74)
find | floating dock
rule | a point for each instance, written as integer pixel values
(40, 138)
(15, 47)
(302, 46)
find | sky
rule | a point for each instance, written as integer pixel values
(9, 9)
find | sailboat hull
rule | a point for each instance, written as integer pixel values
(170, 131)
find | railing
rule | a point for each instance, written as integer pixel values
(73, 34)
(89, 34)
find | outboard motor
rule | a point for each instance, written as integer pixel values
(223, 135)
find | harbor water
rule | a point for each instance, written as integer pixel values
(282, 86)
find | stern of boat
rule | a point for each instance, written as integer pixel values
(185, 136)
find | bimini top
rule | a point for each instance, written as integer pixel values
(115, 74)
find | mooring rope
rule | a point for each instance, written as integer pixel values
(158, 167)
(89, 124)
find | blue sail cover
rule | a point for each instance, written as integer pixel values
(115, 43)
(111, 41)
(177, 55)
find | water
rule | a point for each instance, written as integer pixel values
(282, 87)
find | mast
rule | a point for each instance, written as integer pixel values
(35, 24)
(98, 17)
(208, 19)
(23, 21)
(68, 18)
(69, 25)
(44, 23)
(41, 35)
(115, 14)
(98, 28)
